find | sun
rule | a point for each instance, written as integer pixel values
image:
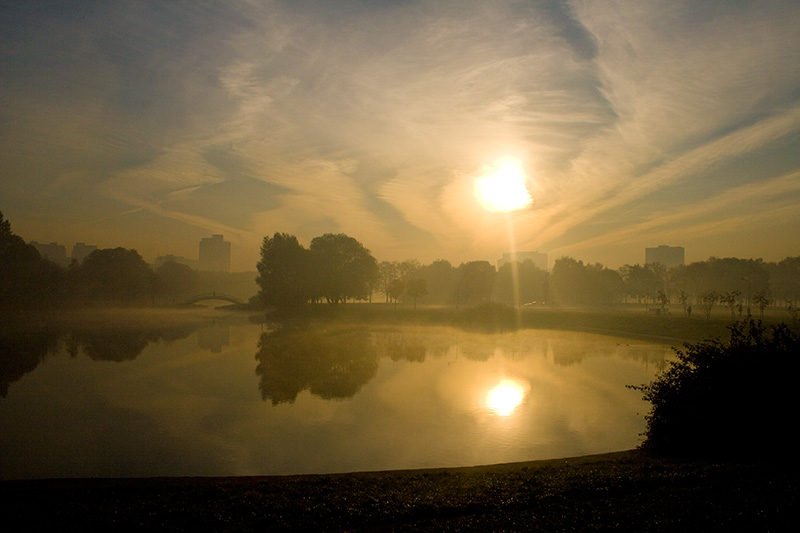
(501, 187)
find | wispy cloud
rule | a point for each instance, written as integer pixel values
(372, 118)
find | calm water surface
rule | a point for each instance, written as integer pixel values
(230, 399)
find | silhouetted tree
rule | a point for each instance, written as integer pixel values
(440, 278)
(731, 300)
(707, 300)
(395, 290)
(475, 282)
(116, 275)
(176, 280)
(683, 298)
(387, 274)
(662, 300)
(26, 279)
(393, 277)
(284, 272)
(572, 282)
(520, 283)
(730, 400)
(748, 276)
(762, 301)
(639, 281)
(567, 280)
(342, 268)
(604, 286)
(784, 279)
(416, 288)
(792, 309)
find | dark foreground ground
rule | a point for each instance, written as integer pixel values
(621, 492)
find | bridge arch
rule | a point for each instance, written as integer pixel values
(212, 296)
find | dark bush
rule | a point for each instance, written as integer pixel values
(729, 400)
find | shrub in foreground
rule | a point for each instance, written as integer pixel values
(726, 400)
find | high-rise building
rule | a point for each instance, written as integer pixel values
(539, 259)
(215, 254)
(57, 253)
(669, 256)
(81, 250)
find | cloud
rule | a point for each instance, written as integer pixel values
(370, 117)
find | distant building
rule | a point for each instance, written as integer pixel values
(669, 256)
(81, 250)
(215, 254)
(539, 259)
(57, 253)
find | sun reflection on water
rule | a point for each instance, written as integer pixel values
(505, 397)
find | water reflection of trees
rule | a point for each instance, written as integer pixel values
(23, 346)
(21, 351)
(335, 362)
(332, 364)
(398, 345)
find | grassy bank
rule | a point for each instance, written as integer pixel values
(621, 321)
(624, 491)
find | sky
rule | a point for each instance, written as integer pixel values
(151, 124)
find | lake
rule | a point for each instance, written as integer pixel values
(233, 397)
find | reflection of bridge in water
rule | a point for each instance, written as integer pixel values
(212, 296)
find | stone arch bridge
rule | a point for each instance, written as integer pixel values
(212, 296)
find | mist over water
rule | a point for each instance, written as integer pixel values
(236, 397)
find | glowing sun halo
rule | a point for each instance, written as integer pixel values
(501, 187)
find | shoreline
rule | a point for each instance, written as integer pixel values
(620, 491)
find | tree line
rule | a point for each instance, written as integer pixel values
(337, 268)
(110, 276)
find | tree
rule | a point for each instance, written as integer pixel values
(116, 275)
(603, 285)
(792, 309)
(284, 272)
(520, 283)
(343, 268)
(440, 277)
(416, 288)
(176, 279)
(663, 300)
(387, 274)
(575, 283)
(475, 281)
(762, 301)
(395, 290)
(784, 279)
(392, 277)
(683, 298)
(639, 281)
(5, 228)
(568, 281)
(731, 300)
(26, 279)
(707, 300)
(729, 400)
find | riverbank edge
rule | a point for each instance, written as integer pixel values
(623, 491)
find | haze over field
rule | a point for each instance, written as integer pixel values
(150, 125)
